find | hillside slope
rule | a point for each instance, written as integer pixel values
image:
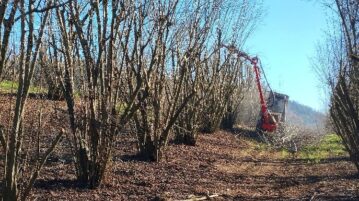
(299, 114)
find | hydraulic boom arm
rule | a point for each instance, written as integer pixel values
(267, 121)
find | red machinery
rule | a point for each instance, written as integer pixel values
(268, 122)
(268, 119)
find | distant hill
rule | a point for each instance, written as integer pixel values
(299, 114)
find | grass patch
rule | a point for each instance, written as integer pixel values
(330, 146)
(8, 86)
(11, 87)
(262, 146)
(284, 153)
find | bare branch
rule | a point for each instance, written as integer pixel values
(2, 138)
(43, 10)
(36, 172)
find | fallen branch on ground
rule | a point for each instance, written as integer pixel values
(194, 198)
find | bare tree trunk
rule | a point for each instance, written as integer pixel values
(28, 53)
(341, 75)
(95, 120)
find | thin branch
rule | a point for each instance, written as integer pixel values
(2, 138)
(36, 173)
(42, 10)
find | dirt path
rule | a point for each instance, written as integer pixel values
(232, 167)
(268, 175)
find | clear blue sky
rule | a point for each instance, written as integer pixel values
(286, 41)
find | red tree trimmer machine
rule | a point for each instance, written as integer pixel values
(273, 111)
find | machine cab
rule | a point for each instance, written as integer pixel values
(277, 105)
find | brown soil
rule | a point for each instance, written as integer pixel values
(229, 165)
